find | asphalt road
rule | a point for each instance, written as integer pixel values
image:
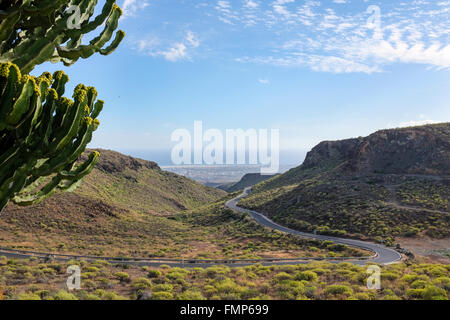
(384, 255)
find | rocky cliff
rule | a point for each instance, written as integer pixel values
(414, 150)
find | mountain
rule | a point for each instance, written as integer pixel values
(125, 206)
(130, 207)
(392, 183)
(247, 180)
(142, 185)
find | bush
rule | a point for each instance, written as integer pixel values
(282, 276)
(306, 275)
(415, 293)
(191, 295)
(412, 232)
(434, 293)
(337, 289)
(291, 290)
(163, 295)
(64, 295)
(419, 284)
(162, 287)
(443, 282)
(112, 296)
(362, 296)
(28, 296)
(389, 276)
(122, 276)
(91, 296)
(154, 274)
(141, 284)
(437, 271)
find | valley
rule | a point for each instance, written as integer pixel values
(131, 208)
(337, 204)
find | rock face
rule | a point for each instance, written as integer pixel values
(414, 150)
(114, 162)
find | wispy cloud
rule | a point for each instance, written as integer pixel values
(335, 36)
(317, 37)
(131, 7)
(179, 50)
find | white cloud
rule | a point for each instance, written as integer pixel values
(251, 4)
(264, 81)
(178, 50)
(191, 38)
(320, 38)
(130, 7)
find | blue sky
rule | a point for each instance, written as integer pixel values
(316, 70)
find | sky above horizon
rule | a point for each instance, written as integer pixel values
(315, 70)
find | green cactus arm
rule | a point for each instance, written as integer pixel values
(33, 32)
(64, 181)
(44, 135)
(71, 55)
(9, 79)
(83, 169)
(22, 104)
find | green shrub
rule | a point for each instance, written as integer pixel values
(389, 276)
(162, 295)
(282, 276)
(437, 271)
(141, 284)
(162, 287)
(337, 289)
(434, 293)
(112, 296)
(228, 286)
(415, 293)
(443, 282)
(191, 295)
(362, 296)
(154, 274)
(64, 295)
(28, 296)
(290, 290)
(306, 275)
(419, 284)
(122, 276)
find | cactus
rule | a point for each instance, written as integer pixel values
(36, 31)
(43, 134)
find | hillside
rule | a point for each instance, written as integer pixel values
(391, 183)
(130, 207)
(250, 179)
(141, 185)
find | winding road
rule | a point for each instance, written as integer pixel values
(382, 255)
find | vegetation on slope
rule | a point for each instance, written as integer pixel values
(129, 207)
(259, 242)
(37, 280)
(248, 180)
(352, 187)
